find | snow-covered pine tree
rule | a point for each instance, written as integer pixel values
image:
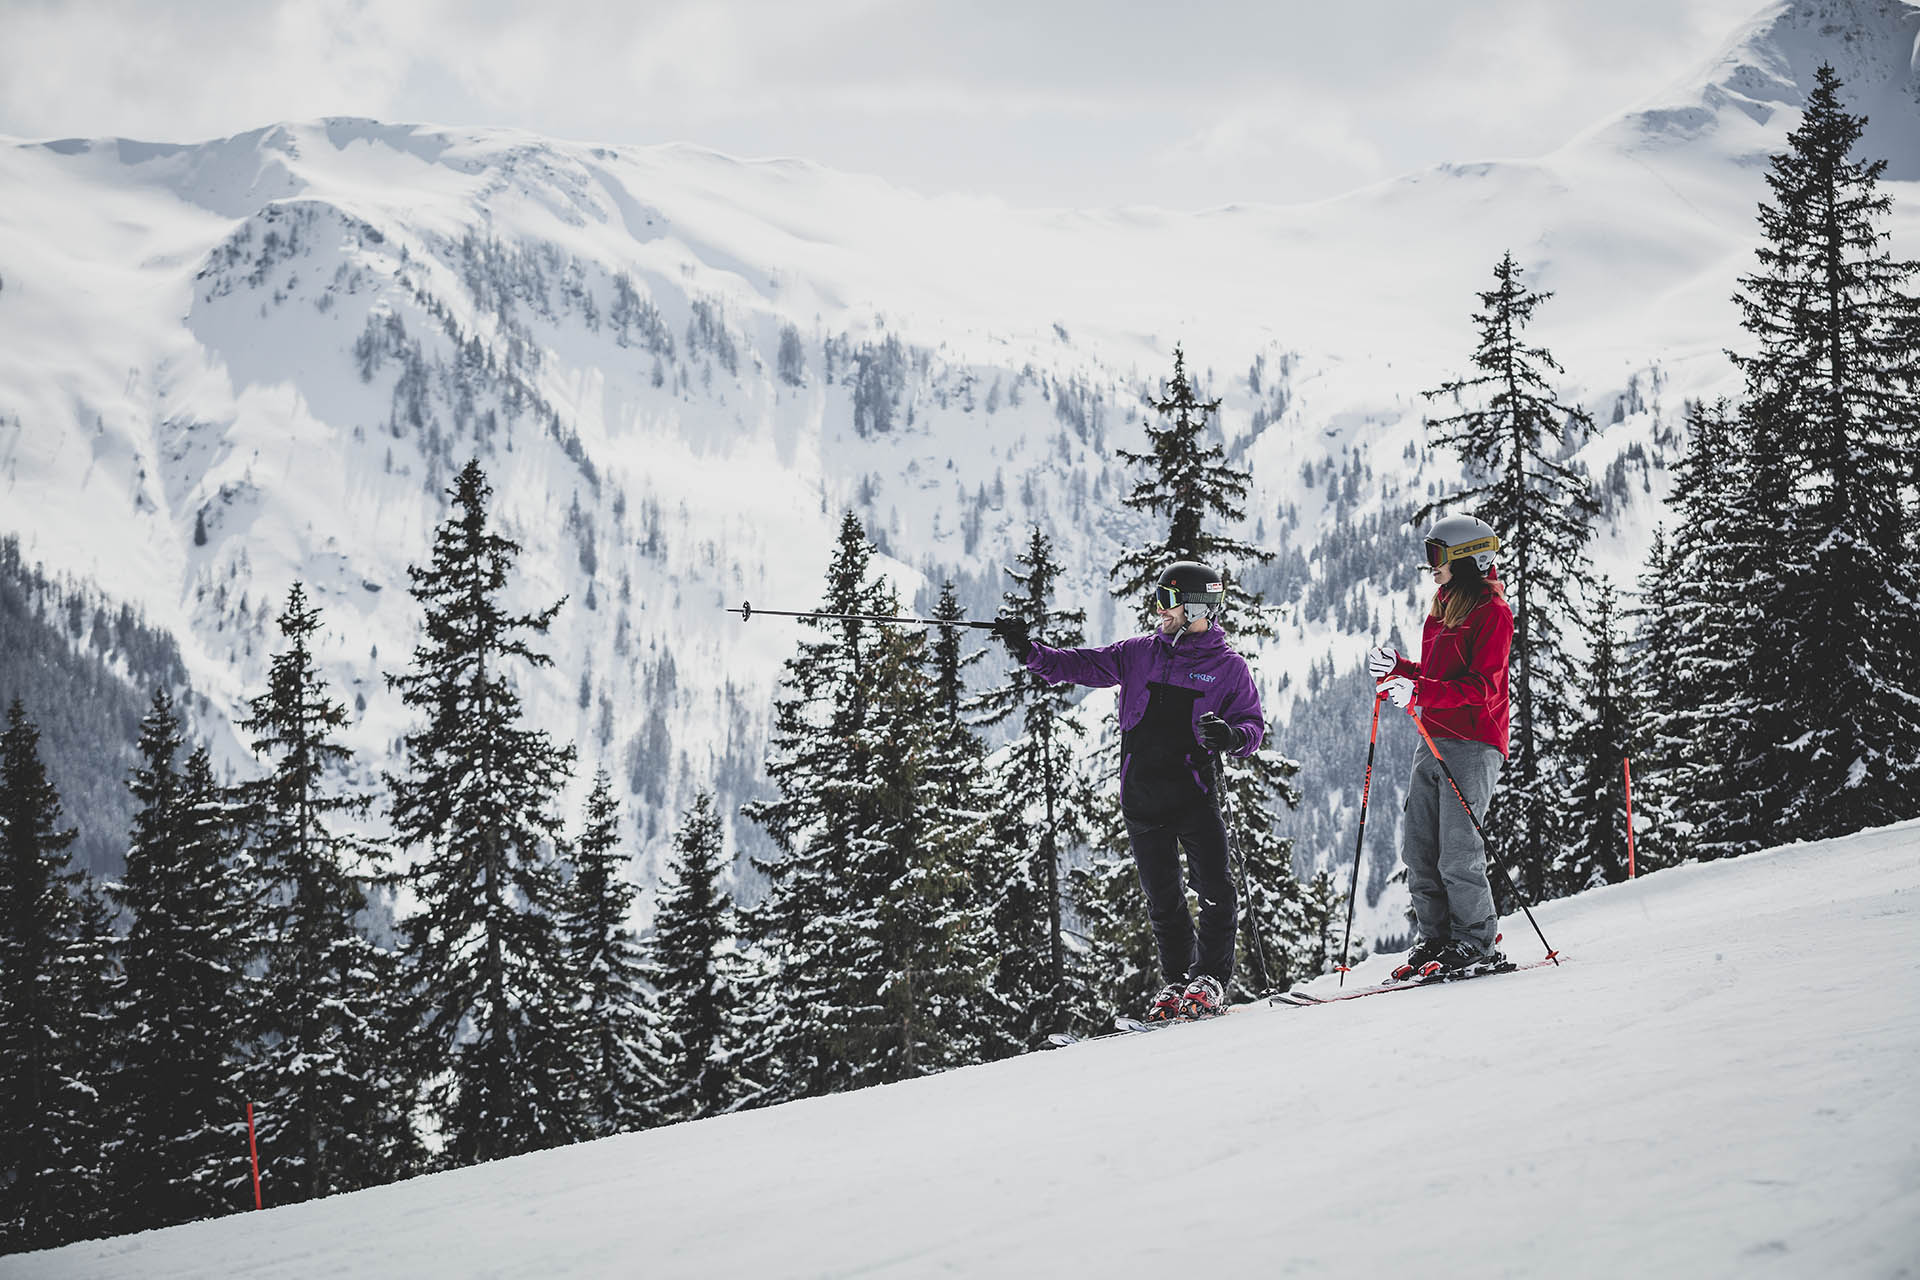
(963, 804)
(1044, 806)
(917, 994)
(1596, 849)
(333, 1106)
(53, 985)
(1715, 550)
(176, 1096)
(1188, 482)
(1652, 651)
(613, 1022)
(477, 801)
(866, 928)
(1280, 941)
(815, 765)
(1115, 965)
(1832, 422)
(1323, 923)
(1511, 436)
(695, 971)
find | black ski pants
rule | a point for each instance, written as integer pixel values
(1197, 829)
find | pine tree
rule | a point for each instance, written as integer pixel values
(1653, 652)
(1280, 940)
(867, 924)
(1323, 922)
(53, 978)
(962, 801)
(692, 965)
(477, 800)
(178, 1110)
(1188, 483)
(1715, 551)
(1596, 852)
(1041, 770)
(333, 1108)
(815, 764)
(916, 935)
(1832, 421)
(1512, 438)
(614, 1023)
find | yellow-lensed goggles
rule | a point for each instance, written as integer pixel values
(1439, 553)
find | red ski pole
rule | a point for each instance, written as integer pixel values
(253, 1150)
(1626, 767)
(1551, 953)
(1366, 785)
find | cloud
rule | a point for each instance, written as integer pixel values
(1074, 101)
(1283, 145)
(109, 66)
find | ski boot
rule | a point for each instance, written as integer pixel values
(1203, 998)
(1461, 959)
(1418, 959)
(1166, 1005)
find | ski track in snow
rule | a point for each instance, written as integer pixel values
(1718, 1083)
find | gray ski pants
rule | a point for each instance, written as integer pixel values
(1446, 860)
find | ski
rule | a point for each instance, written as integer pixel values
(1135, 1026)
(1302, 1000)
(1125, 1026)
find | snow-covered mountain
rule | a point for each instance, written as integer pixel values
(1717, 1083)
(227, 365)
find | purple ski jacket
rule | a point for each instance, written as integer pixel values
(1202, 666)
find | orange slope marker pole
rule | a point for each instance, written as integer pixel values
(1626, 766)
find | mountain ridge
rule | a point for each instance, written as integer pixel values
(284, 342)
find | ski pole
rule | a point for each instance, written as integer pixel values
(746, 610)
(1246, 885)
(1551, 953)
(1366, 785)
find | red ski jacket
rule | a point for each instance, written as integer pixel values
(1460, 682)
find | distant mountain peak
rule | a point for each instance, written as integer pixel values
(1768, 66)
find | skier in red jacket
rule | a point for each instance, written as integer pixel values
(1458, 688)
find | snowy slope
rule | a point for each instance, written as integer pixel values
(1718, 1083)
(230, 364)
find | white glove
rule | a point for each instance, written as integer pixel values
(1399, 691)
(1381, 661)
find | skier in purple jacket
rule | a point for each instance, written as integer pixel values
(1184, 694)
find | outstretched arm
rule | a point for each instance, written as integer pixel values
(1095, 668)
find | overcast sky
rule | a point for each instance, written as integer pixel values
(1038, 102)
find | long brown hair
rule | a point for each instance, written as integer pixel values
(1467, 591)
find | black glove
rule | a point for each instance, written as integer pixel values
(1217, 735)
(1012, 632)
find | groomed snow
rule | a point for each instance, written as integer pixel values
(1719, 1082)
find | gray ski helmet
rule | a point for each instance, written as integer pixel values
(1186, 582)
(1461, 538)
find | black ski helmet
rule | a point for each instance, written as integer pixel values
(1461, 538)
(1193, 585)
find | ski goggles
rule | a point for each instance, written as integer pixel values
(1170, 598)
(1439, 553)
